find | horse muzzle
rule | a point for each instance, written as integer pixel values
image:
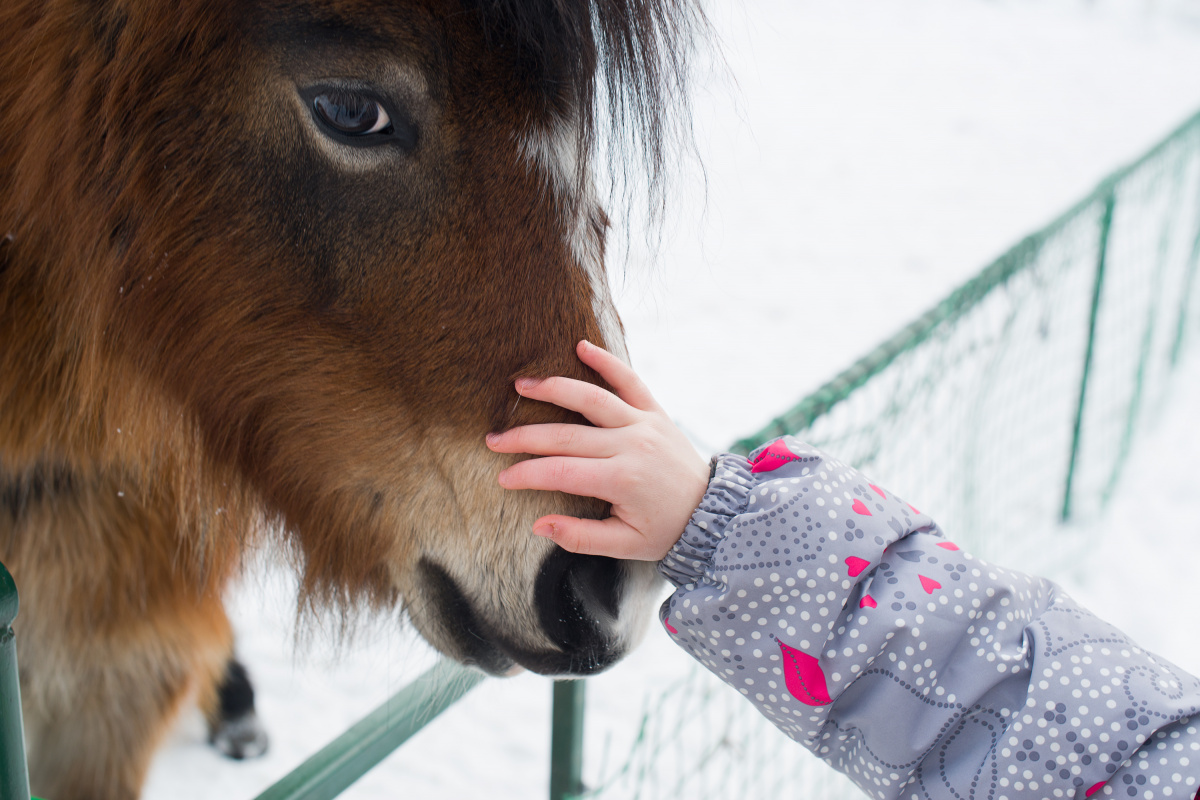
(588, 611)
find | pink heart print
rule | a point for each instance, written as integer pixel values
(856, 565)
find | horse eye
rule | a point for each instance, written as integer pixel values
(360, 117)
(351, 114)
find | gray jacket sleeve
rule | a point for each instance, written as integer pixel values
(844, 615)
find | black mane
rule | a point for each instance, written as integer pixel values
(619, 62)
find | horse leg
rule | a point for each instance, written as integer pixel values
(233, 726)
(98, 710)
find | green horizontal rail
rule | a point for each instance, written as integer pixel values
(14, 774)
(348, 757)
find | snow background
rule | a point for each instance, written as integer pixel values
(863, 158)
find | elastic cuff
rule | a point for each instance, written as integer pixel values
(726, 497)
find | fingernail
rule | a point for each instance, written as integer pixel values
(544, 530)
(503, 478)
(526, 383)
(586, 344)
(491, 438)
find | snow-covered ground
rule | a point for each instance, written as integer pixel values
(864, 158)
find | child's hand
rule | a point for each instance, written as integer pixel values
(636, 459)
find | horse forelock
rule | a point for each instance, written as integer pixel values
(615, 69)
(609, 73)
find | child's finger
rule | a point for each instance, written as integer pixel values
(600, 406)
(597, 537)
(554, 439)
(581, 476)
(619, 375)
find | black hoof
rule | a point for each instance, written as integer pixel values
(235, 731)
(240, 738)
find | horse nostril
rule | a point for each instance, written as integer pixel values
(597, 581)
(573, 592)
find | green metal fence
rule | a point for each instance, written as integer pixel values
(1009, 407)
(1007, 411)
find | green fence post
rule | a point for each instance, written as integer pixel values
(1110, 202)
(14, 774)
(1188, 287)
(566, 740)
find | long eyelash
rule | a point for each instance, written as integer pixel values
(351, 101)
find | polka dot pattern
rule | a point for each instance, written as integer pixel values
(918, 670)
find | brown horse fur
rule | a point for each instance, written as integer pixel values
(217, 321)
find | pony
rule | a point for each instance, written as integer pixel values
(268, 271)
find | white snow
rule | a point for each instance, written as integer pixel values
(872, 156)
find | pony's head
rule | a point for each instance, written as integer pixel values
(322, 238)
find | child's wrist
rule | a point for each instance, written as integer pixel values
(725, 496)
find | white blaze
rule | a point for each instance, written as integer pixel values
(554, 152)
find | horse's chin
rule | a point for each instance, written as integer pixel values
(591, 613)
